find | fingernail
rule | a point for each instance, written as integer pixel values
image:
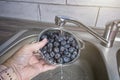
(45, 39)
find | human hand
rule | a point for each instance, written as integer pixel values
(26, 64)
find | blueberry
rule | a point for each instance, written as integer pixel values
(57, 56)
(51, 60)
(44, 48)
(68, 55)
(74, 44)
(56, 44)
(56, 49)
(44, 51)
(77, 47)
(51, 40)
(60, 60)
(66, 49)
(66, 59)
(67, 37)
(71, 38)
(71, 49)
(62, 48)
(43, 36)
(63, 43)
(49, 50)
(60, 39)
(52, 54)
(47, 55)
(68, 42)
(56, 38)
(67, 46)
(66, 52)
(74, 55)
(50, 45)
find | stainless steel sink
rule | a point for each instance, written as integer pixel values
(118, 61)
(90, 65)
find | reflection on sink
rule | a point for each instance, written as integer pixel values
(118, 61)
(89, 66)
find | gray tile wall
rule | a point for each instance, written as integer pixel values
(94, 13)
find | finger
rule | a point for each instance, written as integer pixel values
(36, 46)
(49, 67)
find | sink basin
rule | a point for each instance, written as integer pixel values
(89, 66)
(118, 61)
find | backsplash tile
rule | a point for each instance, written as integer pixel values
(94, 13)
(44, 1)
(107, 15)
(86, 15)
(111, 3)
(19, 10)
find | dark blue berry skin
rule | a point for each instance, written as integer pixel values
(56, 50)
(66, 59)
(63, 42)
(71, 38)
(73, 44)
(62, 48)
(51, 60)
(44, 48)
(49, 45)
(73, 56)
(52, 54)
(77, 47)
(56, 44)
(75, 53)
(51, 40)
(60, 39)
(71, 49)
(47, 55)
(44, 51)
(60, 60)
(57, 56)
(49, 50)
(66, 49)
(66, 52)
(67, 46)
(68, 55)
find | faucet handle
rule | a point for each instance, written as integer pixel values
(110, 32)
(117, 22)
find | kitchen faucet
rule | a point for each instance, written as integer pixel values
(109, 34)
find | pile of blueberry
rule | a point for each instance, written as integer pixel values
(61, 48)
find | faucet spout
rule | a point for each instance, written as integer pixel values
(61, 20)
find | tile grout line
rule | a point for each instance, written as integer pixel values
(95, 25)
(39, 9)
(62, 4)
(66, 2)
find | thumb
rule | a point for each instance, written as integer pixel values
(37, 46)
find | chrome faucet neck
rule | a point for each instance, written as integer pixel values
(109, 34)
